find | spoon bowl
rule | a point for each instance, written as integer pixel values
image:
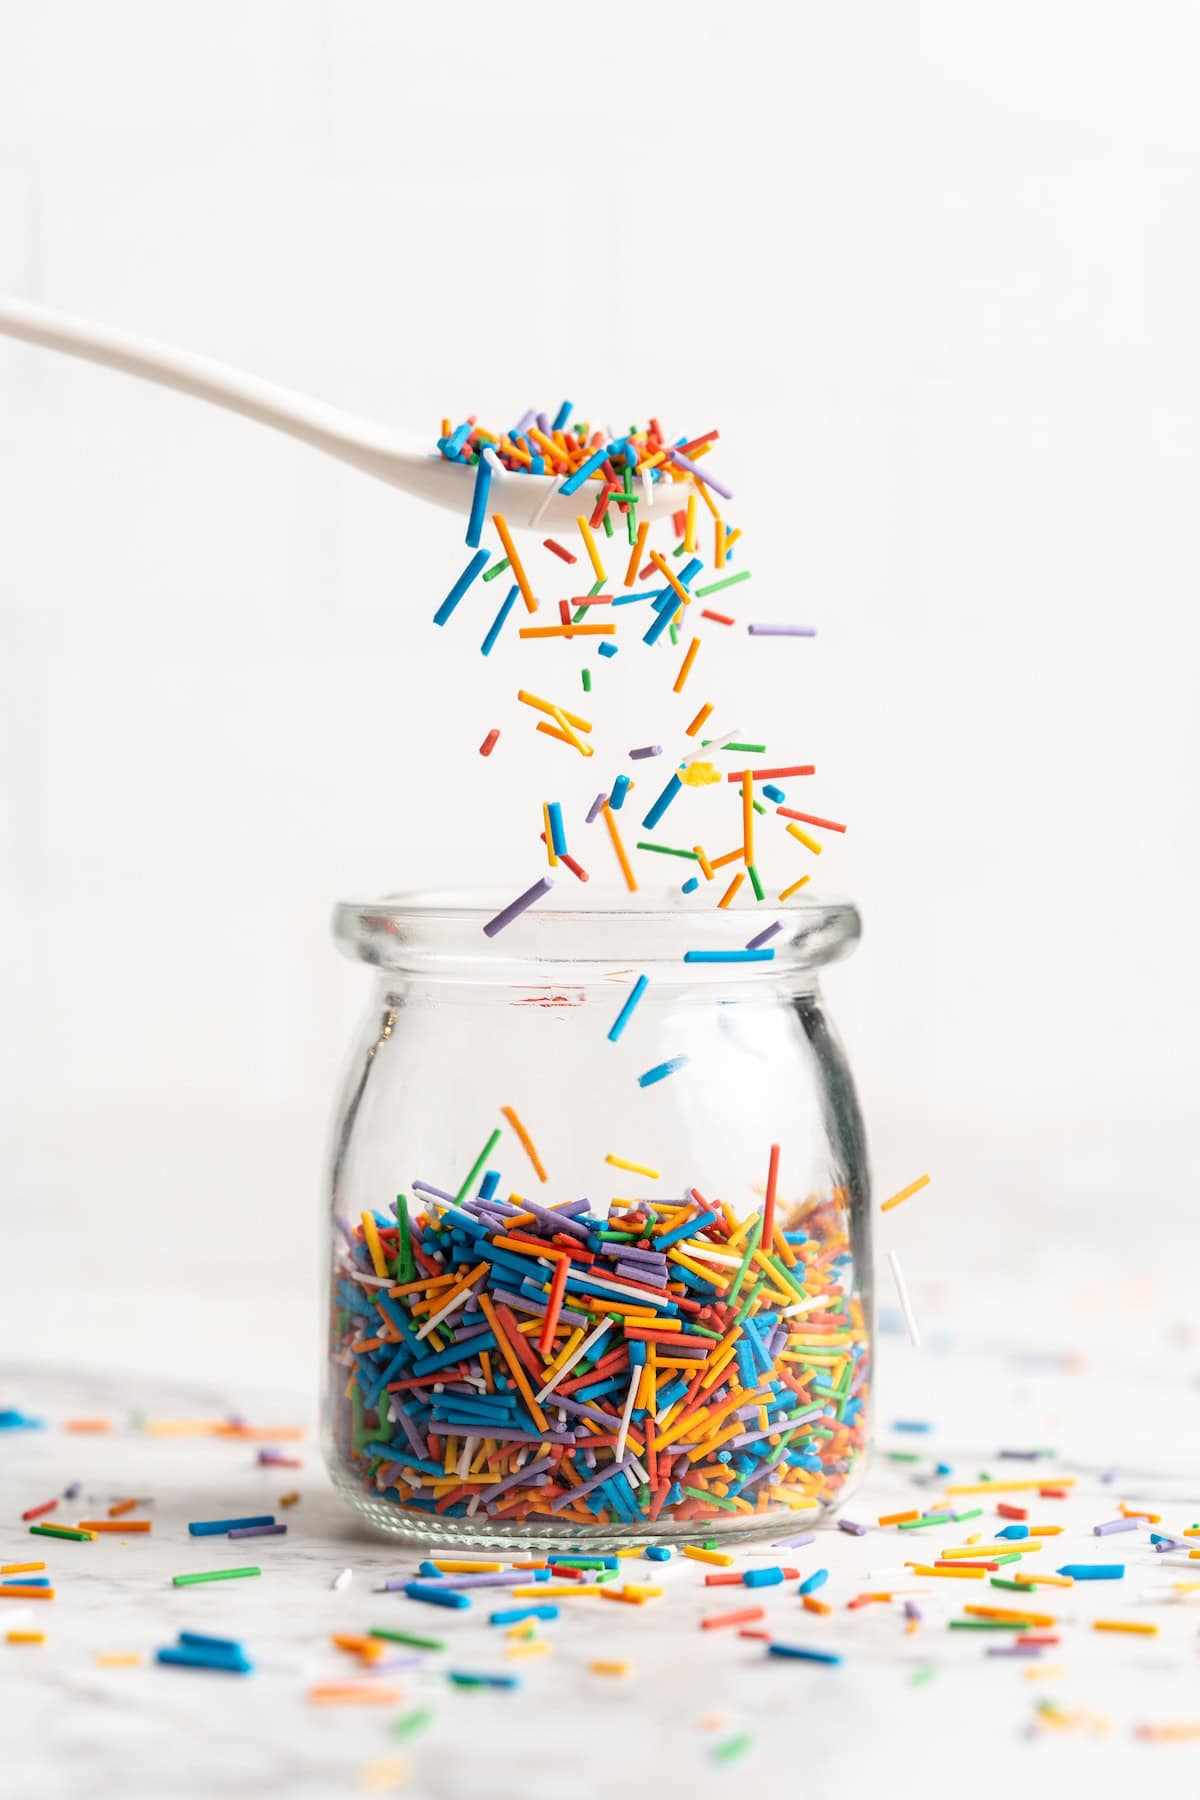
(399, 458)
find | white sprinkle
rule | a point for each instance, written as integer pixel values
(551, 490)
(706, 750)
(576, 1356)
(343, 1580)
(626, 1415)
(914, 1335)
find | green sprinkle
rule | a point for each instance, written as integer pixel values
(597, 587)
(61, 1531)
(476, 1166)
(990, 1624)
(903, 1456)
(357, 1428)
(755, 883)
(585, 675)
(631, 526)
(942, 1518)
(408, 1724)
(405, 1267)
(667, 850)
(748, 1303)
(213, 1575)
(714, 587)
(919, 1677)
(732, 1747)
(673, 632)
(711, 1544)
(607, 523)
(759, 807)
(751, 1247)
(496, 569)
(578, 1562)
(407, 1637)
(579, 615)
(976, 1512)
(1002, 1581)
(1012, 1556)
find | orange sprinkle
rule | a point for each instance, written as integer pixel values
(288, 1499)
(705, 865)
(619, 848)
(87, 1425)
(685, 668)
(698, 721)
(635, 555)
(732, 889)
(114, 1525)
(813, 1605)
(20, 1568)
(518, 568)
(789, 891)
(897, 1518)
(567, 631)
(526, 1142)
(121, 1506)
(906, 1193)
(26, 1637)
(9, 1592)
(354, 1693)
(747, 817)
(670, 577)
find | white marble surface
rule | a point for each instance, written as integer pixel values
(1125, 1395)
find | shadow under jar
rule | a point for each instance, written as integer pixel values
(532, 1343)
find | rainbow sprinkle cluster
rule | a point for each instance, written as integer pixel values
(510, 1361)
(529, 1362)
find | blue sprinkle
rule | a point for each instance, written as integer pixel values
(421, 1590)
(658, 1553)
(661, 1071)
(816, 1580)
(818, 1656)
(460, 587)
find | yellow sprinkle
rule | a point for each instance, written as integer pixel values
(118, 1659)
(527, 1630)
(384, 1773)
(689, 529)
(1142, 1627)
(20, 1568)
(699, 774)
(1007, 1547)
(1046, 1580)
(618, 1162)
(26, 1637)
(371, 1233)
(787, 892)
(535, 1647)
(802, 837)
(608, 1668)
(717, 1557)
(556, 1590)
(585, 532)
(1045, 1670)
(954, 1574)
(986, 1487)
(466, 1567)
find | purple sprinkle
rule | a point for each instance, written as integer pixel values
(423, 1187)
(756, 943)
(912, 1610)
(685, 462)
(1108, 1476)
(244, 1531)
(558, 1221)
(526, 420)
(782, 630)
(594, 809)
(646, 750)
(72, 1492)
(1014, 1649)
(1172, 1544)
(1112, 1525)
(516, 907)
(794, 1543)
(585, 1487)
(453, 1583)
(852, 1528)
(1018, 1455)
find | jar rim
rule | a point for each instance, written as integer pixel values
(428, 930)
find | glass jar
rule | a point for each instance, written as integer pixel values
(553, 1314)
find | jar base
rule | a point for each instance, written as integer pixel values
(482, 1533)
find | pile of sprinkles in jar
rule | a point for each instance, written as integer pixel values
(509, 1360)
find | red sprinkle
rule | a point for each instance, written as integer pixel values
(35, 1512)
(1007, 1511)
(559, 551)
(718, 618)
(489, 743)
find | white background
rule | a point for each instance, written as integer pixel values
(934, 270)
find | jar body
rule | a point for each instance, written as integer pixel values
(539, 1343)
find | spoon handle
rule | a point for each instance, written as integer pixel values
(367, 446)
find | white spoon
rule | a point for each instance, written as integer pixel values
(408, 463)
